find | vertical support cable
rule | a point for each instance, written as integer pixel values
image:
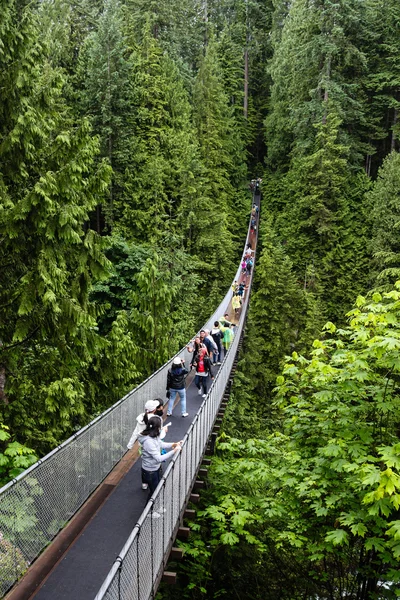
(151, 548)
(119, 559)
(164, 525)
(138, 564)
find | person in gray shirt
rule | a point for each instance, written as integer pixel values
(152, 444)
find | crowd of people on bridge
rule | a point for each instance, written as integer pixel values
(255, 185)
(208, 349)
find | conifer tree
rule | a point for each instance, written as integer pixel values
(282, 318)
(323, 208)
(214, 121)
(162, 172)
(317, 57)
(384, 198)
(106, 94)
(382, 79)
(48, 185)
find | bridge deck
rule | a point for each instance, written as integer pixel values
(81, 572)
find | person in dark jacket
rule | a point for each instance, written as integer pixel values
(206, 339)
(176, 377)
(202, 364)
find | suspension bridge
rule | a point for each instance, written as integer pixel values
(78, 522)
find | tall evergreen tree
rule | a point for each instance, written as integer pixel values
(382, 80)
(385, 203)
(48, 185)
(317, 57)
(214, 121)
(320, 205)
(162, 173)
(106, 95)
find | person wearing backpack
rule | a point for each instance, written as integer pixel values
(241, 290)
(176, 377)
(202, 364)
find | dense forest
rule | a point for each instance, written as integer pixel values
(129, 131)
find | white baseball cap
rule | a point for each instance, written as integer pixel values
(151, 405)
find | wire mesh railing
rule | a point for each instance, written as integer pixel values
(140, 564)
(37, 504)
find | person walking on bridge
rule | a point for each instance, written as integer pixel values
(176, 380)
(228, 337)
(210, 344)
(152, 408)
(151, 444)
(236, 304)
(223, 321)
(202, 364)
(218, 336)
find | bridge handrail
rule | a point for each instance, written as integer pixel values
(36, 505)
(138, 569)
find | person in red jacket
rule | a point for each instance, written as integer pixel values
(202, 364)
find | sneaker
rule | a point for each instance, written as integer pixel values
(199, 392)
(155, 515)
(204, 395)
(218, 363)
(169, 414)
(185, 414)
(144, 486)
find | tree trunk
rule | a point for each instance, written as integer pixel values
(326, 91)
(393, 143)
(246, 83)
(3, 396)
(205, 13)
(110, 135)
(98, 221)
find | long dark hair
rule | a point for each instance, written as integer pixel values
(153, 427)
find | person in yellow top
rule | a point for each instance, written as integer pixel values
(236, 303)
(228, 337)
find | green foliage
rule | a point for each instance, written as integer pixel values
(384, 199)
(381, 81)
(162, 317)
(328, 483)
(214, 123)
(49, 257)
(14, 457)
(105, 94)
(318, 207)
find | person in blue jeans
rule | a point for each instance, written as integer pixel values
(176, 381)
(151, 444)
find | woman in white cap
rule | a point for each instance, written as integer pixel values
(152, 408)
(176, 385)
